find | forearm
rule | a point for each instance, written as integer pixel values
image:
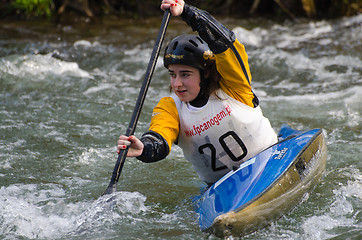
(155, 147)
(217, 36)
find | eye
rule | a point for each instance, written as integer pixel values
(186, 74)
(173, 75)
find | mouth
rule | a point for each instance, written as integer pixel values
(181, 91)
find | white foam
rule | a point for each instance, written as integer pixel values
(340, 210)
(291, 37)
(88, 157)
(24, 213)
(131, 202)
(353, 188)
(248, 37)
(42, 211)
(93, 155)
(316, 227)
(40, 66)
(350, 95)
(99, 88)
(85, 43)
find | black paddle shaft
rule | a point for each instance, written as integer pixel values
(141, 98)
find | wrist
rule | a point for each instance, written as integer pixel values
(184, 11)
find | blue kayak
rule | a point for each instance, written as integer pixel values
(266, 186)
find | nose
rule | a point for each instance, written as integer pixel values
(177, 82)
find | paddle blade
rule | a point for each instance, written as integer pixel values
(110, 189)
(117, 171)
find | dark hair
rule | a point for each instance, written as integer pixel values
(210, 84)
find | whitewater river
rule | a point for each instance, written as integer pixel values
(68, 91)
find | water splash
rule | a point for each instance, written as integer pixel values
(43, 211)
(343, 211)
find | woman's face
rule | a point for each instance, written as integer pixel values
(185, 81)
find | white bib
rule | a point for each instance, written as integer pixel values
(221, 135)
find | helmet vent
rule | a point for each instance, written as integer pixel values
(175, 45)
(193, 42)
(198, 38)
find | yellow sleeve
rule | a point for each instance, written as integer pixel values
(233, 80)
(165, 120)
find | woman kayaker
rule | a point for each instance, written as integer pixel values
(212, 114)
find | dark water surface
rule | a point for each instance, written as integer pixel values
(68, 92)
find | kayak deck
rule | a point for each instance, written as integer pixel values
(266, 186)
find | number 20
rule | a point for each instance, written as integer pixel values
(226, 148)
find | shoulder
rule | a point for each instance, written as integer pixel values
(167, 104)
(168, 101)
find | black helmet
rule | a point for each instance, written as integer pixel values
(188, 50)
